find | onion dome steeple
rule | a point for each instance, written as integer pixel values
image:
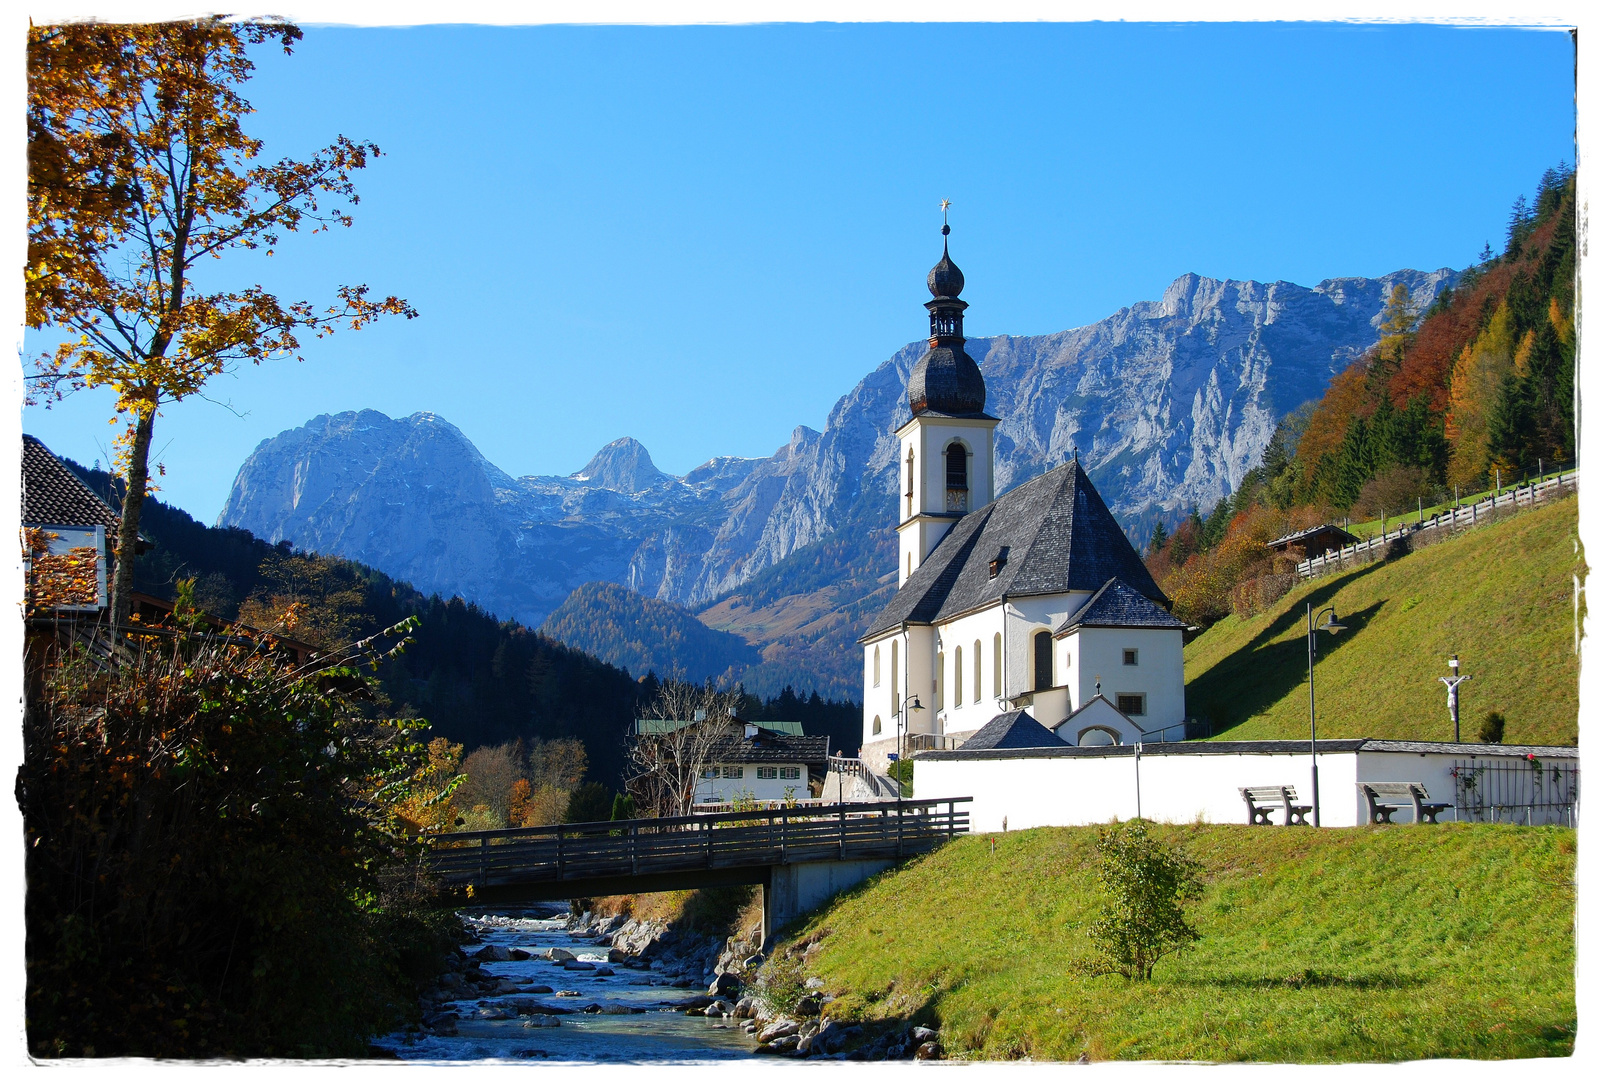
(946, 380)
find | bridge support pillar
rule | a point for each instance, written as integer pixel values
(794, 889)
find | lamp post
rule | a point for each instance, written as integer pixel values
(903, 721)
(1314, 623)
(1452, 682)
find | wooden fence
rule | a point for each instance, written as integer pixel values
(644, 846)
(1462, 517)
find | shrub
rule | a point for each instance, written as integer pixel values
(1143, 883)
(215, 865)
(1492, 728)
(1393, 491)
(591, 802)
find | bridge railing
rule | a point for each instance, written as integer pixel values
(702, 841)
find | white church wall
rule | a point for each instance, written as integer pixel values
(920, 678)
(1069, 790)
(1026, 616)
(1158, 673)
(980, 627)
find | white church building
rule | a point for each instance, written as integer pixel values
(1031, 603)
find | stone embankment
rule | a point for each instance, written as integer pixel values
(741, 988)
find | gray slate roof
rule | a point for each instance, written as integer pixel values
(1015, 730)
(771, 748)
(52, 494)
(1060, 535)
(1116, 604)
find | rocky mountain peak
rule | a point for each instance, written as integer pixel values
(622, 465)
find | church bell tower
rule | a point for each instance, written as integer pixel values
(948, 447)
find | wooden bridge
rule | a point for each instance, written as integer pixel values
(755, 847)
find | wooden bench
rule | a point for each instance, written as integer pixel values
(1273, 798)
(1387, 797)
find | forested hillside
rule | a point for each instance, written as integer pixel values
(1480, 388)
(478, 680)
(640, 633)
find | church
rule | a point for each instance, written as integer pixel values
(1023, 620)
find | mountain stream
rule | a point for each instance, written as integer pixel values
(498, 1026)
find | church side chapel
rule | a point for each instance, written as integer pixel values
(1025, 620)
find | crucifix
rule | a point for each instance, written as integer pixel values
(1452, 682)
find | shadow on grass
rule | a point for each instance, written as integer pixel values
(1260, 675)
(1305, 980)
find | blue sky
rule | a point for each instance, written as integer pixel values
(703, 236)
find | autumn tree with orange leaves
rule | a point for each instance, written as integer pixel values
(139, 169)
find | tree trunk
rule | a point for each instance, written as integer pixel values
(128, 535)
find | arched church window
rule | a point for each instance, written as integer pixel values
(876, 665)
(939, 681)
(995, 665)
(910, 460)
(1043, 677)
(978, 682)
(877, 726)
(956, 680)
(957, 478)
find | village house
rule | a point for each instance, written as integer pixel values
(1032, 601)
(764, 765)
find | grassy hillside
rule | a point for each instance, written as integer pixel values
(1500, 596)
(1384, 943)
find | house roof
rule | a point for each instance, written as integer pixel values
(1087, 711)
(1116, 604)
(1060, 538)
(52, 494)
(770, 747)
(1012, 730)
(1333, 535)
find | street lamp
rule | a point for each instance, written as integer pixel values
(1451, 682)
(1315, 622)
(903, 720)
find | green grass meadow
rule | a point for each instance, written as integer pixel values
(1381, 943)
(1500, 595)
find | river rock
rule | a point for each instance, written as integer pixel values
(616, 956)
(569, 993)
(493, 952)
(723, 984)
(778, 1030)
(604, 970)
(923, 1034)
(542, 1022)
(494, 1013)
(536, 988)
(578, 965)
(814, 983)
(559, 955)
(782, 1045)
(833, 1037)
(929, 1051)
(519, 954)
